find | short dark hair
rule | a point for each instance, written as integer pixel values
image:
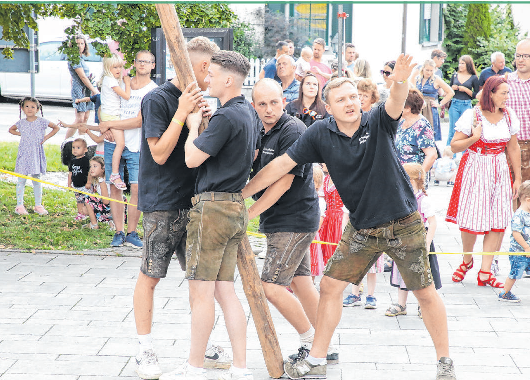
(414, 101)
(349, 45)
(232, 61)
(281, 44)
(438, 53)
(320, 41)
(289, 41)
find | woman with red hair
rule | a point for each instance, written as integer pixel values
(481, 202)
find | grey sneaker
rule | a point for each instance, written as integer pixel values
(331, 358)
(216, 357)
(446, 369)
(302, 369)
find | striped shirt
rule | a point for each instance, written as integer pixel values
(519, 101)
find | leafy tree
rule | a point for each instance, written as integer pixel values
(129, 24)
(454, 23)
(478, 25)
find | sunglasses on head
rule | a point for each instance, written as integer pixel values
(385, 73)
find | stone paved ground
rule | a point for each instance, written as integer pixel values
(66, 317)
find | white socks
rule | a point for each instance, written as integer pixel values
(146, 342)
(316, 361)
(306, 339)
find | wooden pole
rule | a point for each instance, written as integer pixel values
(177, 49)
(245, 257)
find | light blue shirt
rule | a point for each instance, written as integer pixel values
(521, 224)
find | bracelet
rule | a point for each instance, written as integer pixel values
(177, 121)
(402, 81)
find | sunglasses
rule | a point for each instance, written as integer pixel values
(310, 112)
(385, 73)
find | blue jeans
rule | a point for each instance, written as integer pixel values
(132, 159)
(458, 107)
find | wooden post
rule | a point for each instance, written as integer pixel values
(245, 257)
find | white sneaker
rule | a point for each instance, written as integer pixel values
(216, 357)
(184, 373)
(230, 375)
(262, 254)
(147, 365)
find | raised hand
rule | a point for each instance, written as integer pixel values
(402, 69)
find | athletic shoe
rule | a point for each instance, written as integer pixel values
(446, 369)
(133, 240)
(216, 357)
(21, 210)
(40, 210)
(436, 182)
(184, 373)
(118, 239)
(147, 365)
(508, 297)
(370, 302)
(332, 356)
(302, 369)
(230, 375)
(352, 300)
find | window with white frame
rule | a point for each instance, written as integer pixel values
(431, 23)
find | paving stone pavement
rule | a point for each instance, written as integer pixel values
(69, 316)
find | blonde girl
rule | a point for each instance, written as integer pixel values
(98, 209)
(114, 87)
(31, 160)
(426, 209)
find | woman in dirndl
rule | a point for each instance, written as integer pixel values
(481, 202)
(428, 84)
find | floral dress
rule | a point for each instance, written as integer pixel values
(482, 196)
(410, 142)
(101, 210)
(30, 157)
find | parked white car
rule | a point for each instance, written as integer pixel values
(53, 81)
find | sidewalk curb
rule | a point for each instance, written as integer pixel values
(107, 252)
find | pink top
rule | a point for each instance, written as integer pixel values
(324, 68)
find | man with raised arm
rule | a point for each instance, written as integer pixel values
(383, 211)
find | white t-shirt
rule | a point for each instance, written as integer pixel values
(498, 131)
(302, 67)
(129, 109)
(110, 100)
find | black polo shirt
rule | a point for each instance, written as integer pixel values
(297, 209)
(365, 170)
(231, 139)
(169, 186)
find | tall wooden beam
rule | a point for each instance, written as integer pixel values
(245, 257)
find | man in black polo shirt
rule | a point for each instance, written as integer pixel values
(223, 154)
(165, 191)
(289, 216)
(358, 150)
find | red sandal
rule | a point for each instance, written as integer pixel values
(491, 281)
(460, 273)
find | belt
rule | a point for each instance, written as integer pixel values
(215, 196)
(378, 229)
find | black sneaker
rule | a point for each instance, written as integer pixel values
(332, 357)
(301, 354)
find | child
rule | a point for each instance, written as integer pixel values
(78, 175)
(426, 210)
(317, 262)
(445, 168)
(519, 242)
(98, 209)
(31, 160)
(302, 65)
(111, 93)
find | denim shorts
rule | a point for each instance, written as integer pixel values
(164, 233)
(287, 257)
(132, 159)
(402, 239)
(215, 229)
(518, 266)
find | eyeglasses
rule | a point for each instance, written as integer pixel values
(522, 56)
(142, 62)
(385, 73)
(310, 112)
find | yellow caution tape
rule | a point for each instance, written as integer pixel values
(248, 232)
(64, 187)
